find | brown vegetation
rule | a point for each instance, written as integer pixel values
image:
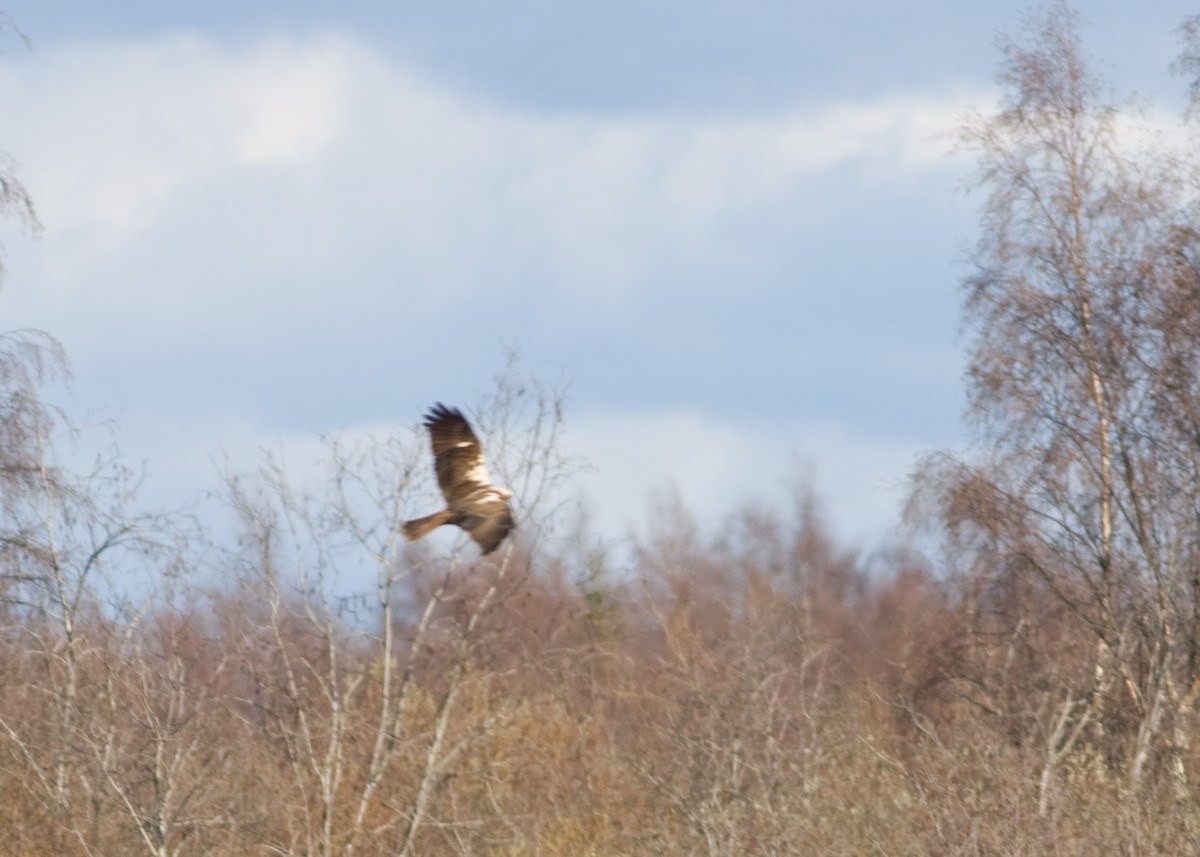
(757, 690)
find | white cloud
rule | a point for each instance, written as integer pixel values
(110, 132)
(289, 103)
(330, 137)
(718, 465)
(313, 206)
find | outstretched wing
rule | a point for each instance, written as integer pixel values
(473, 502)
(457, 455)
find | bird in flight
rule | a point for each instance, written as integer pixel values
(472, 501)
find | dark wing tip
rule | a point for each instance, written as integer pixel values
(440, 413)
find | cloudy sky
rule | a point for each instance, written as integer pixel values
(733, 227)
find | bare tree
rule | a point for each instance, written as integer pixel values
(70, 553)
(1082, 387)
(367, 692)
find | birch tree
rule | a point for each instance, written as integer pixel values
(1082, 382)
(364, 654)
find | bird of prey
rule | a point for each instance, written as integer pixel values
(472, 501)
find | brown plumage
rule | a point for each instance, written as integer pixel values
(472, 501)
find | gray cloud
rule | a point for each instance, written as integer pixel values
(294, 235)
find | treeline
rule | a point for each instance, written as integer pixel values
(312, 685)
(757, 690)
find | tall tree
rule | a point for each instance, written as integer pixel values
(1082, 312)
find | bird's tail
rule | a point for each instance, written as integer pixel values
(418, 527)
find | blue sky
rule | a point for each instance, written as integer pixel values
(735, 228)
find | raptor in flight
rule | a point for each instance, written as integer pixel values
(472, 501)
